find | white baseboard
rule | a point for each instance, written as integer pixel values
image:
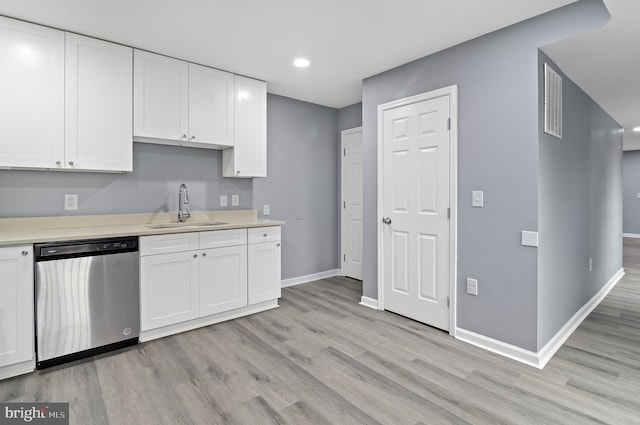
(631, 235)
(565, 332)
(309, 278)
(541, 358)
(369, 302)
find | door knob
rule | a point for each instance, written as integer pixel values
(386, 220)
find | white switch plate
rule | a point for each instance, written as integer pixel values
(71, 202)
(477, 199)
(267, 209)
(472, 286)
(223, 200)
(235, 200)
(530, 238)
(638, 195)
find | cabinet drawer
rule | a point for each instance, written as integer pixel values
(222, 238)
(264, 234)
(162, 244)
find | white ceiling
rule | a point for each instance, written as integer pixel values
(606, 64)
(346, 40)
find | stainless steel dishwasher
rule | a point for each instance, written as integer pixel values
(87, 298)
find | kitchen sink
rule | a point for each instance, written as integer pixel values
(184, 225)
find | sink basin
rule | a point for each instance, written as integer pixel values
(183, 225)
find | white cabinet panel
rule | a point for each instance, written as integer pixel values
(169, 289)
(222, 238)
(164, 244)
(248, 158)
(264, 279)
(161, 97)
(264, 234)
(98, 105)
(32, 95)
(16, 305)
(210, 106)
(223, 279)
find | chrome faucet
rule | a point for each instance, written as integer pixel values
(183, 201)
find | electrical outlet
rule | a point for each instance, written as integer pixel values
(267, 209)
(71, 202)
(472, 286)
(235, 200)
(223, 200)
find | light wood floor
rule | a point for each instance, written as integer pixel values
(322, 359)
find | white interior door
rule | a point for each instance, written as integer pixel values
(352, 203)
(415, 207)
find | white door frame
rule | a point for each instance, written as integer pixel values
(343, 133)
(452, 91)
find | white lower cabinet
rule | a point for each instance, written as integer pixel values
(16, 311)
(169, 289)
(188, 280)
(223, 279)
(264, 264)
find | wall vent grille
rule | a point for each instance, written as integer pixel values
(552, 102)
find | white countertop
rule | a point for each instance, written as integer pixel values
(20, 231)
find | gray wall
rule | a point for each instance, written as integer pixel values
(498, 152)
(302, 186)
(350, 117)
(631, 188)
(151, 187)
(580, 206)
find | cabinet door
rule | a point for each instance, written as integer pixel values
(160, 97)
(248, 158)
(264, 279)
(32, 95)
(210, 106)
(168, 289)
(98, 105)
(223, 279)
(16, 305)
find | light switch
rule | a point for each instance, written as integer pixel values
(530, 238)
(477, 199)
(223, 200)
(472, 286)
(235, 200)
(267, 209)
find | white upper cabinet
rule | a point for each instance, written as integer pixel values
(32, 95)
(176, 102)
(65, 104)
(210, 106)
(248, 158)
(160, 97)
(98, 105)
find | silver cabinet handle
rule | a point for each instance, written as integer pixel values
(193, 137)
(264, 236)
(195, 255)
(386, 220)
(71, 163)
(58, 163)
(278, 245)
(184, 136)
(204, 254)
(25, 253)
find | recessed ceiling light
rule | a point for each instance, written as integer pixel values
(636, 129)
(301, 62)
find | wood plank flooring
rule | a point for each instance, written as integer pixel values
(323, 359)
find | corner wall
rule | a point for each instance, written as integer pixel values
(302, 187)
(580, 206)
(497, 84)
